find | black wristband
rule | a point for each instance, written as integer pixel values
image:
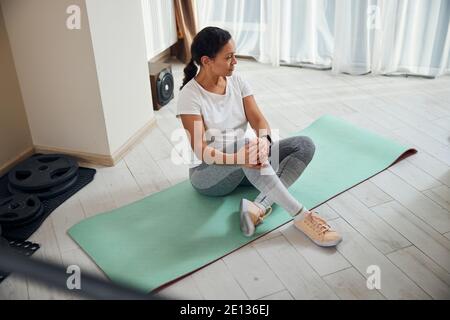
(270, 143)
(268, 138)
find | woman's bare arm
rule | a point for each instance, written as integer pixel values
(255, 116)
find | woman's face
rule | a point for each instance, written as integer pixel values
(224, 62)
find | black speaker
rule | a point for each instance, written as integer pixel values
(162, 84)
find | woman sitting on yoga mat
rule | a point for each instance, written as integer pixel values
(216, 107)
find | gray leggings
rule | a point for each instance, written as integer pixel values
(294, 155)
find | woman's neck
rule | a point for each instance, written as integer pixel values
(207, 79)
(211, 82)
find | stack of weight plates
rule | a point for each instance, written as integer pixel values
(38, 178)
(19, 209)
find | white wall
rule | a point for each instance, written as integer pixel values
(56, 71)
(15, 137)
(160, 26)
(117, 32)
(84, 90)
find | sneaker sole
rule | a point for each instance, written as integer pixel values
(247, 226)
(329, 244)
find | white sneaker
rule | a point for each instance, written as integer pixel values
(251, 216)
(318, 230)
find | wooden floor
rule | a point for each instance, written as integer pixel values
(398, 220)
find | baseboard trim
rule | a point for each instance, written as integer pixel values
(137, 137)
(83, 157)
(86, 158)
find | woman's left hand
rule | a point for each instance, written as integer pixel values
(263, 150)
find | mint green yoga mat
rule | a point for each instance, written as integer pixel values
(166, 235)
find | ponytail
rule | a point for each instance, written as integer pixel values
(190, 71)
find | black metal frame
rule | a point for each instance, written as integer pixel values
(55, 275)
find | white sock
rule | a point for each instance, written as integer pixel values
(259, 205)
(298, 216)
(301, 214)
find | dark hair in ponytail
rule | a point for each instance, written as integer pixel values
(190, 72)
(208, 42)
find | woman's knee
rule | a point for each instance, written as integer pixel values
(304, 148)
(219, 188)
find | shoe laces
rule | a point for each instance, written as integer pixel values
(319, 224)
(264, 215)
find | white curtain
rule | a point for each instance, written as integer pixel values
(351, 36)
(420, 42)
(249, 22)
(306, 35)
(392, 37)
(159, 24)
(355, 24)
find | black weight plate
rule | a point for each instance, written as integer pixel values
(8, 227)
(42, 171)
(48, 193)
(18, 208)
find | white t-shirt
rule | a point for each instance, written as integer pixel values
(224, 114)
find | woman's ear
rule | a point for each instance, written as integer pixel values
(205, 60)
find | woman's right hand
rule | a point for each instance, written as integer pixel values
(248, 157)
